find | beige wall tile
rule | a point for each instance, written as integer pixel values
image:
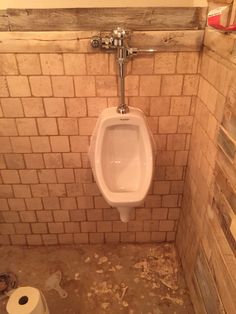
(34, 161)
(143, 103)
(166, 225)
(29, 64)
(34, 203)
(83, 175)
(112, 237)
(106, 86)
(78, 215)
(18, 86)
(174, 173)
(14, 161)
(22, 191)
(143, 237)
(33, 107)
(176, 142)
(63, 86)
(87, 125)
(3, 87)
(68, 203)
(149, 85)
(88, 226)
(161, 187)
(168, 124)
(26, 126)
(50, 239)
(21, 144)
(58, 189)
(60, 143)
(97, 64)
(16, 204)
(159, 213)
(47, 176)
(185, 124)
(47, 126)
(180, 106)
(68, 126)
(10, 176)
(54, 107)
(65, 175)
(96, 106)
(11, 107)
(8, 65)
(53, 160)
(160, 106)
(40, 144)
(84, 86)
(165, 62)
(171, 85)
(72, 160)
(187, 62)
(44, 216)
(74, 64)
(158, 236)
(81, 238)
(76, 107)
(8, 127)
(28, 176)
(52, 64)
(143, 65)
(39, 228)
(40, 86)
(132, 85)
(190, 86)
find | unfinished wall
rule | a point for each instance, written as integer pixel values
(206, 235)
(49, 107)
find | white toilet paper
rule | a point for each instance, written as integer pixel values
(27, 300)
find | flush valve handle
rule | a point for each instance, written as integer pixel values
(96, 42)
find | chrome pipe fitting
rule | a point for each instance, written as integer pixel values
(122, 109)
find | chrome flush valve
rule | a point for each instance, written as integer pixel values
(117, 40)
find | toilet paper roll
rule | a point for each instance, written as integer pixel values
(27, 300)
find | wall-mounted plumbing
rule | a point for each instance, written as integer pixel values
(118, 40)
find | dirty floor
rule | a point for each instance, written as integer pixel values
(132, 279)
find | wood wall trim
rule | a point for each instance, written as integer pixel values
(42, 4)
(79, 42)
(150, 18)
(222, 44)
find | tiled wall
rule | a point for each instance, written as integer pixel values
(49, 106)
(206, 237)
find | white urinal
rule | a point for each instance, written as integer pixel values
(121, 156)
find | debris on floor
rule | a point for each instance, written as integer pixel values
(103, 279)
(8, 282)
(53, 283)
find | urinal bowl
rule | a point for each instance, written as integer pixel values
(121, 156)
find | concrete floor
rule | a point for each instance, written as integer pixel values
(132, 279)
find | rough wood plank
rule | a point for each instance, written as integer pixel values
(169, 41)
(207, 286)
(223, 266)
(41, 4)
(104, 19)
(223, 184)
(223, 45)
(80, 41)
(227, 144)
(3, 21)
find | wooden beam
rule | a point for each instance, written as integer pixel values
(4, 25)
(79, 42)
(165, 18)
(42, 4)
(222, 44)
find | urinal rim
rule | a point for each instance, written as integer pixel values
(135, 197)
